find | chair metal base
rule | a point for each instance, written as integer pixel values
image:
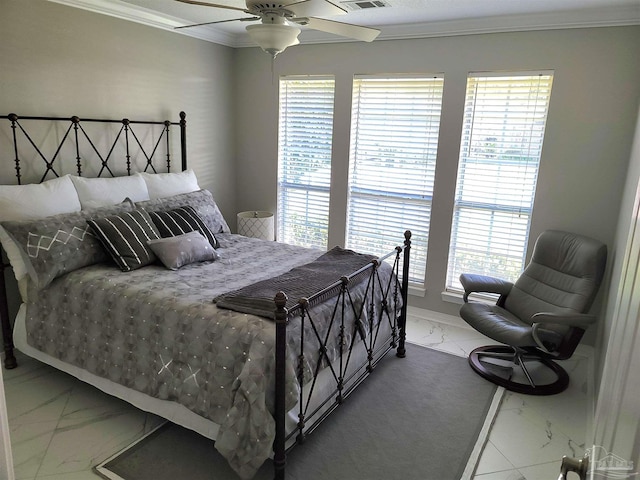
(503, 374)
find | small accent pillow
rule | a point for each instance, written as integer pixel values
(99, 192)
(59, 244)
(180, 250)
(201, 201)
(182, 220)
(161, 185)
(125, 237)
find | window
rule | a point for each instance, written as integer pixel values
(394, 141)
(502, 134)
(304, 159)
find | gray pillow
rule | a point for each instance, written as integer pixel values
(181, 250)
(182, 220)
(55, 245)
(125, 237)
(202, 202)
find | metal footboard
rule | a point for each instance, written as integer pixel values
(346, 376)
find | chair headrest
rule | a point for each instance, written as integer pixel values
(570, 253)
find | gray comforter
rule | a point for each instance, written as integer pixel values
(158, 331)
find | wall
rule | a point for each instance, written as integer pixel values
(589, 130)
(62, 61)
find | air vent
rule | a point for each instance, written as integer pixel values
(364, 4)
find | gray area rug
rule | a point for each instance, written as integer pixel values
(415, 418)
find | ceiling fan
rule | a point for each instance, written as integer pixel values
(277, 29)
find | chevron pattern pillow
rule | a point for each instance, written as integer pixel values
(58, 244)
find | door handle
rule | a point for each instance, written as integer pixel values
(576, 465)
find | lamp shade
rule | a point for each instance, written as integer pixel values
(256, 224)
(274, 38)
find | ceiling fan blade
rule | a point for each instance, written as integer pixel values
(243, 19)
(366, 34)
(314, 8)
(207, 4)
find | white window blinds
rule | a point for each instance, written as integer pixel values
(394, 142)
(502, 135)
(304, 159)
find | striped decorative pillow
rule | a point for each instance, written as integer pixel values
(180, 221)
(125, 237)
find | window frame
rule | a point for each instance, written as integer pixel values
(512, 255)
(314, 191)
(375, 98)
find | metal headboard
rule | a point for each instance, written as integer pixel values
(76, 134)
(126, 135)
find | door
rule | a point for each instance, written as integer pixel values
(614, 447)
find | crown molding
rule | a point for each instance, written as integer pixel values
(586, 18)
(151, 18)
(601, 17)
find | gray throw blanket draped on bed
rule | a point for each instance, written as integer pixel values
(299, 282)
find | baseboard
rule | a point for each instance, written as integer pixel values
(424, 314)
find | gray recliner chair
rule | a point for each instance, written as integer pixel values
(540, 318)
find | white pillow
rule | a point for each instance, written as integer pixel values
(38, 200)
(31, 202)
(103, 192)
(161, 185)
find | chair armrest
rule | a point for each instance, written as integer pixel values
(550, 340)
(580, 320)
(483, 284)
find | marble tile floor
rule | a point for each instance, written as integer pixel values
(530, 434)
(61, 427)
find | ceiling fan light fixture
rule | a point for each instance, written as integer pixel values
(274, 38)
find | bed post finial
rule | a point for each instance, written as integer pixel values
(281, 315)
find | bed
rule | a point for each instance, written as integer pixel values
(187, 327)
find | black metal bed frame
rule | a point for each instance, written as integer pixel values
(366, 310)
(75, 124)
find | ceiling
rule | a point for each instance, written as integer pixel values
(400, 19)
